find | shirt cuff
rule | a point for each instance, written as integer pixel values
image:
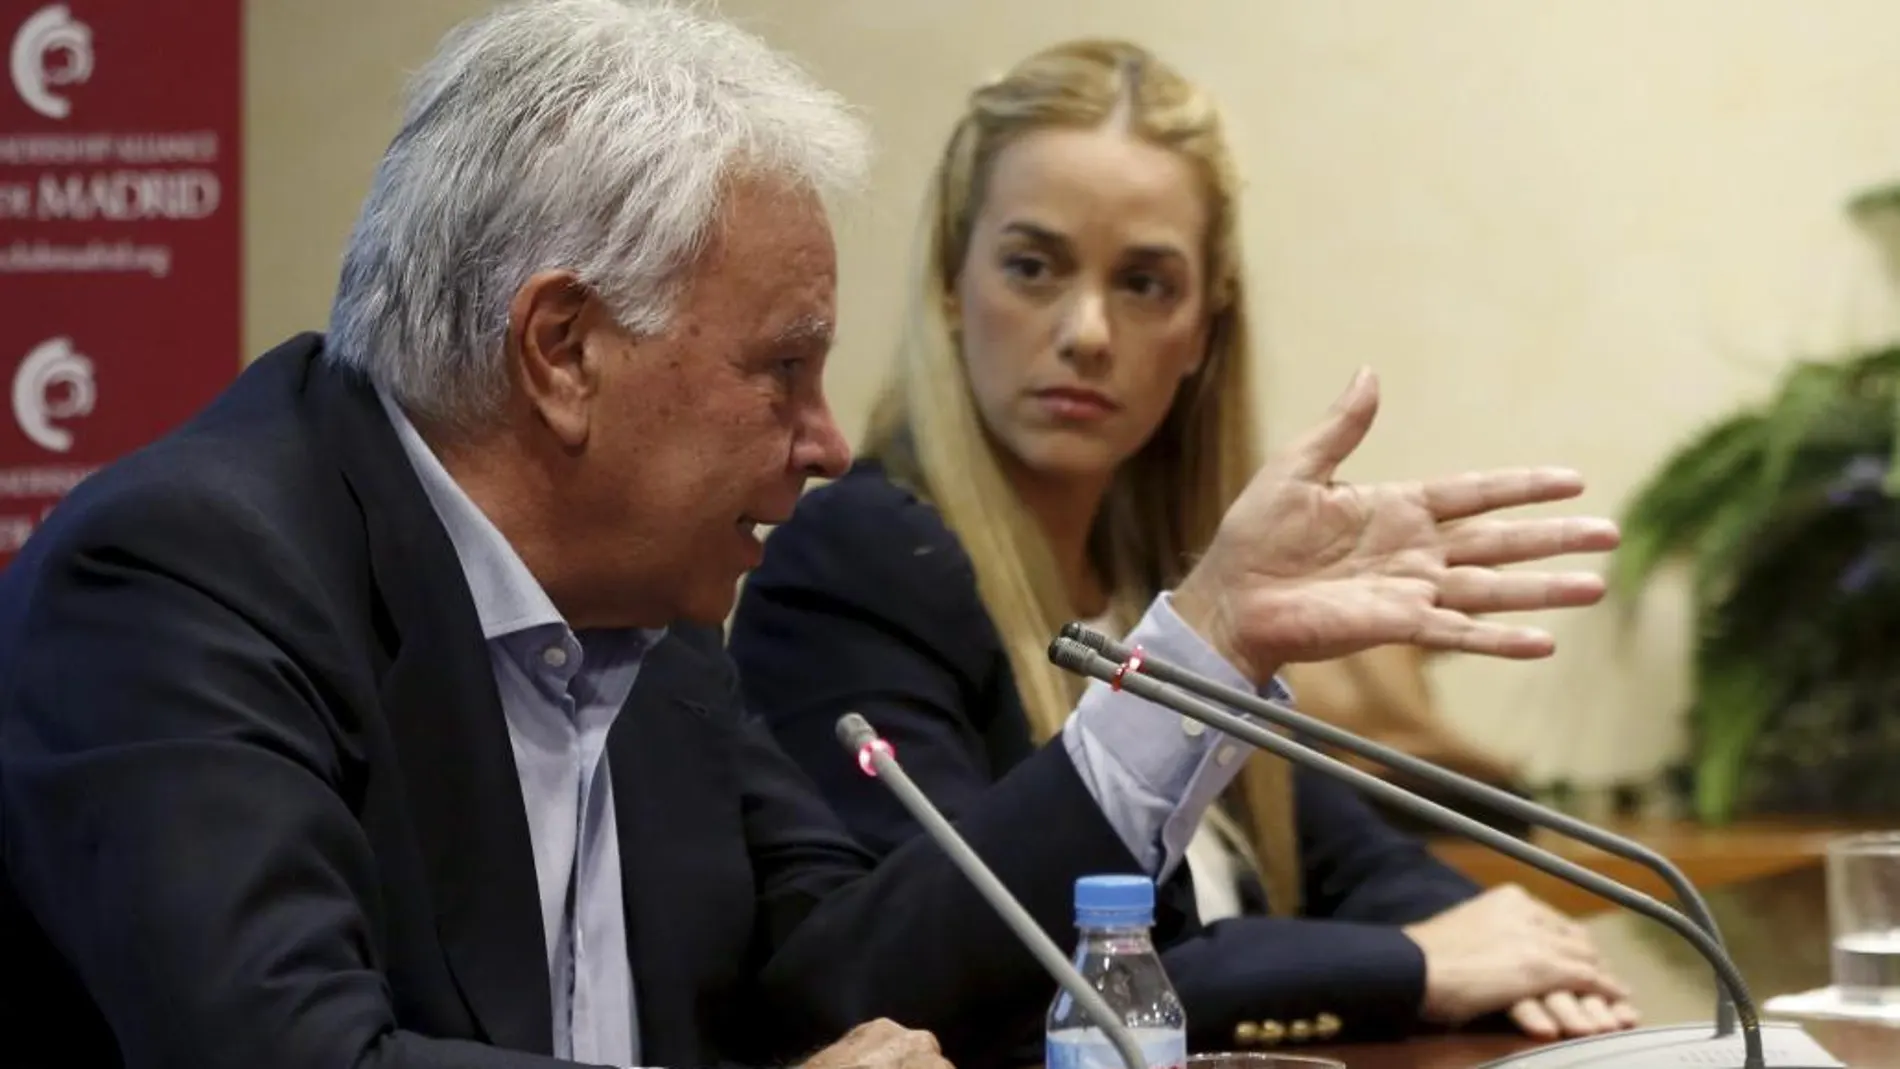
(1153, 771)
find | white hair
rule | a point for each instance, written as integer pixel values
(594, 136)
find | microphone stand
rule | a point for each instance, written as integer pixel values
(1079, 658)
(877, 760)
(1484, 793)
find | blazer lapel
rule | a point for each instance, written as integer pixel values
(439, 698)
(685, 880)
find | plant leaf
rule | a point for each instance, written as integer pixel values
(1734, 697)
(1809, 392)
(1670, 512)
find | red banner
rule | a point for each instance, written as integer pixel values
(120, 299)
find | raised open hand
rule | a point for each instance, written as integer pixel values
(1305, 568)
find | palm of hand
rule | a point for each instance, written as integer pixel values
(1329, 569)
(1304, 568)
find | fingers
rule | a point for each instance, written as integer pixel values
(1561, 1013)
(1506, 948)
(923, 1061)
(1581, 1015)
(1571, 957)
(1458, 496)
(1558, 957)
(916, 1042)
(883, 1043)
(1492, 541)
(885, 1032)
(1320, 452)
(1560, 950)
(1448, 629)
(1596, 1013)
(1589, 980)
(1568, 1014)
(1536, 1022)
(1573, 949)
(867, 1034)
(1481, 590)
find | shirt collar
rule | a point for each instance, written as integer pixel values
(508, 599)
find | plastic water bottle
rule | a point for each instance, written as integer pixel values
(1116, 955)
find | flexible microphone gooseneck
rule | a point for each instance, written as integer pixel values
(1484, 793)
(877, 760)
(1651, 1048)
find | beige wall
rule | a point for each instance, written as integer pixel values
(1562, 231)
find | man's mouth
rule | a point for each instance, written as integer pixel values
(751, 525)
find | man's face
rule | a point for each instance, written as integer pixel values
(697, 436)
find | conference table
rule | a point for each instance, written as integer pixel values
(1775, 928)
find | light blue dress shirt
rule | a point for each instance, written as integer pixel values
(560, 693)
(1153, 773)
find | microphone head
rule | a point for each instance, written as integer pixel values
(1077, 631)
(854, 732)
(1072, 655)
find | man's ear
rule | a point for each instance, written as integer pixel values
(548, 323)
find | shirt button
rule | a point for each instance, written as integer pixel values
(1192, 727)
(1226, 755)
(554, 657)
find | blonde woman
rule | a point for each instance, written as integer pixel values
(1069, 423)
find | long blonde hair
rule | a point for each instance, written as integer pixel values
(1164, 503)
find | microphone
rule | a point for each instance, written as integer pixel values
(877, 760)
(1776, 1046)
(1443, 778)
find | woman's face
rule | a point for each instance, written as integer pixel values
(1082, 298)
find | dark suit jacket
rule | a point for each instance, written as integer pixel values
(867, 601)
(258, 805)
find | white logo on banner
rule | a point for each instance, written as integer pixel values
(53, 383)
(51, 49)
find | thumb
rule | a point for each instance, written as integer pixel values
(1318, 455)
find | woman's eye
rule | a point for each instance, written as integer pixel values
(1146, 284)
(1026, 268)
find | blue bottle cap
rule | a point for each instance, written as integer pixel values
(1114, 902)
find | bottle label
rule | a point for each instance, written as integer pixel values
(1089, 1048)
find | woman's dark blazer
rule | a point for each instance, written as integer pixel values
(866, 601)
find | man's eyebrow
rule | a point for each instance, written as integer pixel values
(813, 331)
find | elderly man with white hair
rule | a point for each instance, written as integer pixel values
(378, 716)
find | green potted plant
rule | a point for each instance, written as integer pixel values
(1788, 516)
